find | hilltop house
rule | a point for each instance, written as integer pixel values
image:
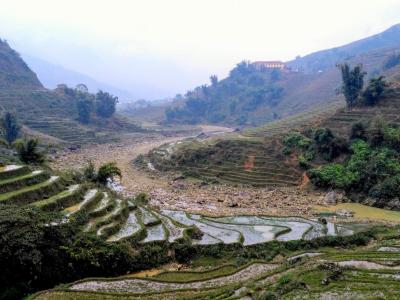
(260, 65)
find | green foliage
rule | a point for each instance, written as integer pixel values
(28, 151)
(353, 81)
(374, 91)
(142, 198)
(387, 189)
(85, 108)
(108, 170)
(89, 172)
(332, 175)
(231, 100)
(373, 168)
(328, 145)
(295, 140)
(105, 172)
(105, 104)
(358, 131)
(11, 127)
(213, 80)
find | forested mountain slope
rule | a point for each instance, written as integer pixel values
(14, 72)
(52, 112)
(326, 59)
(250, 96)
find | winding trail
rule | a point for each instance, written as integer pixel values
(124, 153)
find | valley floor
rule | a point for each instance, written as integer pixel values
(192, 196)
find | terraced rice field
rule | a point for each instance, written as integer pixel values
(117, 219)
(234, 160)
(367, 273)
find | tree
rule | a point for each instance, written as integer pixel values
(353, 81)
(85, 107)
(106, 171)
(105, 104)
(82, 88)
(11, 127)
(374, 91)
(214, 80)
(28, 152)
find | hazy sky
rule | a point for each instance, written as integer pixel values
(157, 48)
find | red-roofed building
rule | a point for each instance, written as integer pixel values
(269, 65)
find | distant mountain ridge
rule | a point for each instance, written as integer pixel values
(251, 97)
(50, 112)
(325, 59)
(51, 75)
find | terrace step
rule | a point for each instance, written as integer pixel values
(14, 183)
(90, 199)
(10, 171)
(175, 232)
(105, 205)
(34, 192)
(118, 214)
(60, 201)
(155, 233)
(147, 217)
(129, 229)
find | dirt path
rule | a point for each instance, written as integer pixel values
(123, 154)
(133, 180)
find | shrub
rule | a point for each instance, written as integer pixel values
(328, 145)
(392, 138)
(28, 152)
(359, 131)
(387, 189)
(332, 175)
(106, 171)
(142, 198)
(374, 91)
(295, 140)
(89, 172)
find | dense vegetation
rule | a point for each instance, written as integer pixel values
(372, 167)
(102, 103)
(232, 100)
(353, 83)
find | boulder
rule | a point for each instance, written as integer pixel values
(232, 204)
(334, 197)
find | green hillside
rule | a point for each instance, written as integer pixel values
(250, 97)
(90, 230)
(51, 112)
(326, 59)
(14, 72)
(279, 153)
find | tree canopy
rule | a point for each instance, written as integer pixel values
(105, 104)
(11, 127)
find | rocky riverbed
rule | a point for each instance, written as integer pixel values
(185, 194)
